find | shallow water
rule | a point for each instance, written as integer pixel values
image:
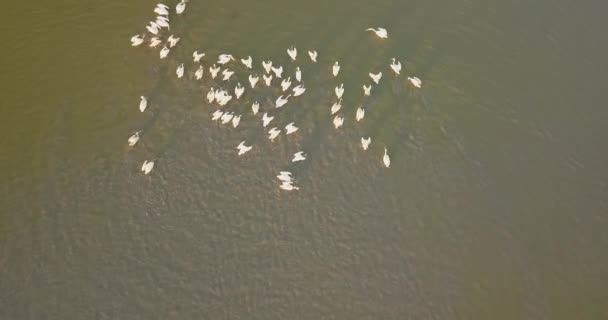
(494, 205)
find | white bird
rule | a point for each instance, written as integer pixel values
(298, 156)
(281, 101)
(225, 99)
(164, 52)
(172, 41)
(197, 56)
(336, 106)
(360, 113)
(338, 121)
(227, 117)
(266, 119)
(216, 115)
(273, 133)
(214, 70)
(298, 90)
(386, 159)
(415, 82)
(367, 89)
(253, 80)
(247, 62)
(161, 9)
(154, 42)
(224, 58)
(133, 139)
(180, 71)
(236, 120)
(199, 72)
(285, 176)
(376, 77)
(147, 166)
(267, 79)
(162, 22)
(153, 28)
(298, 74)
(277, 71)
(180, 7)
(255, 107)
(243, 148)
(335, 69)
(211, 95)
(285, 84)
(137, 40)
(365, 142)
(339, 90)
(290, 128)
(143, 103)
(380, 32)
(293, 53)
(313, 55)
(227, 74)
(288, 186)
(267, 66)
(396, 66)
(238, 90)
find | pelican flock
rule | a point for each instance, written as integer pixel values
(219, 94)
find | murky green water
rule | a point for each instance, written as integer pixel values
(494, 206)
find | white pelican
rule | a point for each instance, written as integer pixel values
(285, 176)
(236, 120)
(143, 103)
(281, 101)
(161, 9)
(396, 66)
(211, 95)
(137, 39)
(180, 71)
(293, 53)
(367, 89)
(338, 121)
(164, 52)
(223, 98)
(172, 41)
(162, 22)
(243, 148)
(153, 28)
(415, 82)
(197, 56)
(376, 77)
(298, 156)
(290, 128)
(133, 139)
(238, 90)
(386, 159)
(285, 84)
(227, 74)
(299, 90)
(247, 62)
(277, 71)
(339, 90)
(298, 74)
(288, 186)
(154, 42)
(380, 32)
(266, 119)
(313, 55)
(180, 7)
(147, 166)
(224, 58)
(360, 113)
(214, 70)
(273, 133)
(335, 69)
(199, 72)
(267, 66)
(227, 117)
(336, 106)
(255, 107)
(216, 115)
(365, 142)
(267, 79)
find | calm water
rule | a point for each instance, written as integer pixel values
(494, 207)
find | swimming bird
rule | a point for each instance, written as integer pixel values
(162, 22)
(273, 133)
(336, 106)
(293, 53)
(335, 69)
(161, 9)
(367, 90)
(243, 148)
(164, 52)
(255, 107)
(253, 80)
(285, 176)
(172, 41)
(180, 71)
(267, 66)
(216, 115)
(313, 55)
(281, 101)
(298, 90)
(267, 79)
(154, 42)
(227, 117)
(380, 32)
(236, 120)
(247, 62)
(211, 95)
(298, 156)
(386, 159)
(288, 186)
(365, 142)
(197, 56)
(277, 71)
(285, 84)
(290, 128)
(415, 82)
(214, 70)
(180, 7)
(339, 90)
(147, 166)
(360, 113)
(224, 58)
(338, 121)
(396, 66)
(238, 90)
(143, 103)
(266, 119)
(298, 74)
(376, 77)
(133, 139)
(153, 28)
(199, 72)
(137, 39)
(227, 74)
